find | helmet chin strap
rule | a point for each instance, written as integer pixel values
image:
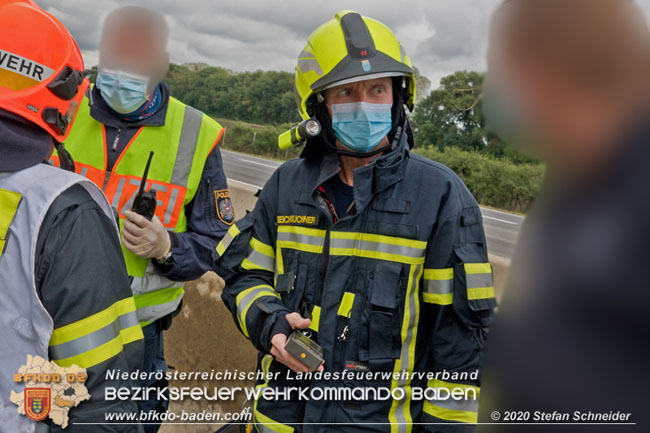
(65, 159)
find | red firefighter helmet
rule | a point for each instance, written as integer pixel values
(42, 76)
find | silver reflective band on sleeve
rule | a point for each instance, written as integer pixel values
(476, 281)
(261, 261)
(230, 236)
(94, 339)
(151, 281)
(244, 304)
(155, 312)
(438, 287)
(245, 301)
(479, 281)
(227, 240)
(190, 131)
(224, 243)
(261, 257)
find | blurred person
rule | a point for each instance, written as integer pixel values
(65, 293)
(129, 114)
(375, 252)
(568, 83)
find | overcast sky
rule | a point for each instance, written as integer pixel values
(441, 36)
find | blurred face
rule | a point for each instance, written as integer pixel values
(375, 91)
(543, 104)
(134, 50)
(566, 89)
(130, 50)
(134, 42)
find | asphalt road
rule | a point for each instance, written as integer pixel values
(501, 228)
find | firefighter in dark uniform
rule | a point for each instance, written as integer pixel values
(379, 254)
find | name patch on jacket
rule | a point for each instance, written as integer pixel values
(225, 211)
(306, 220)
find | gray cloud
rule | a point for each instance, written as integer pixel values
(441, 36)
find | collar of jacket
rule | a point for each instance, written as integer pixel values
(372, 179)
(101, 112)
(22, 143)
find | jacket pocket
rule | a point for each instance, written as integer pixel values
(474, 297)
(292, 284)
(384, 316)
(393, 229)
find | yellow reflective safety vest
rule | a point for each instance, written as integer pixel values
(181, 148)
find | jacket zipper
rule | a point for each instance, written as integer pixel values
(326, 247)
(323, 267)
(116, 141)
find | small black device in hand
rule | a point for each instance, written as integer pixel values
(145, 201)
(304, 349)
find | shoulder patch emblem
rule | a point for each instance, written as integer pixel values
(225, 211)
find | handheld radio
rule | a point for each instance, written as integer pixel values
(145, 201)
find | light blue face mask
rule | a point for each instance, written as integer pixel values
(360, 126)
(123, 92)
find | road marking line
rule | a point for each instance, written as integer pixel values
(244, 183)
(500, 220)
(502, 212)
(258, 163)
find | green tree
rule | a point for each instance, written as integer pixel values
(260, 97)
(451, 115)
(422, 85)
(92, 74)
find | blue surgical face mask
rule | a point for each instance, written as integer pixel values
(360, 126)
(123, 92)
